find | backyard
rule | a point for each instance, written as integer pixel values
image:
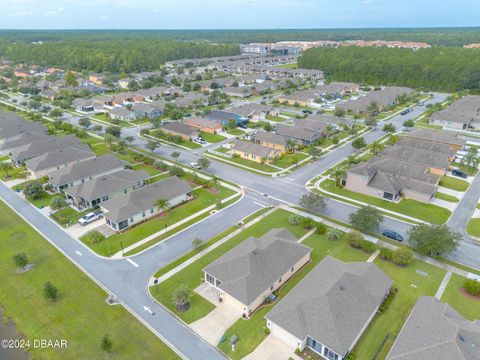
(212, 138)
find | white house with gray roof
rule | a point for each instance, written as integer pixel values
(12, 125)
(330, 308)
(7, 146)
(436, 331)
(140, 204)
(252, 270)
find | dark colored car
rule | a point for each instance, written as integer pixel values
(392, 235)
(459, 173)
(405, 112)
(307, 111)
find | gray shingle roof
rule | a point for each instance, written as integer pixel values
(85, 169)
(180, 128)
(108, 184)
(333, 303)
(43, 146)
(144, 198)
(417, 156)
(252, 148)
(435, 331)
(296, 132)
(270, 138)
(22, 139)
(427, 145)
(438, 136)
(464, 110)
(12, 124)
(60, 157)
(254, 265)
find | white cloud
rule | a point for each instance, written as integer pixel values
(21, 13)
(51, 13)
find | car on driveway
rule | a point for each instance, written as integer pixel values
(195, 165)
(90, 217)
(459, 173)
(392, 235)
(199, 140)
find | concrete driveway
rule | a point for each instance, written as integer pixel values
(272, 348)
(77, 230)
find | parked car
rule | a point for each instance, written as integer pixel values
(392, 235)
(90, 217)
(459, 173)
(306, 111)
(405, 112)
(199, 140)
(421, 103)
(195, 165)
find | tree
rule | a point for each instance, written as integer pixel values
(106, 344)
(70, 79)
(175, 155)
(389, 128)
(181, 298)
(56, 113)
(58, 202)
(94, 237)
(433, 240)
(359, 143)
(313, 202)
(84, 122)
(109, 140)
(314, 151)
(371, 122)
(471, 159)
(163, 205)
(366, 219)
(376, 147)
(121, 145)
(152, 145)
(373, 109)
(290, 145)
(333, 234)
(338, 174)
(198, 244)
(33, 190)
(50, 292)
(6, 167)
(409, 123)
(113, 130)
(403, 256)
(267, 126)
(129, 139)
(204, 163)
(20, 259)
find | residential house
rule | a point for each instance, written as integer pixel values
(98, 79)
(435, 147)
(223, 117)
(123, 83)
(255, 152)
(329, 310)
(270, 140)
(237, 91)
(150, 111)
(20, 140)
(439, 137)
(250, 272)
(298, 134)
(204, 125)
(140, 204)
(463, 114)
(255, 112)
(301, 98)
(84, 171)
(435, 330)
(119, 113)
(84, 105)
(12, 125)
(312, 125)
(336, 90)
(186, 132)
(105, 187)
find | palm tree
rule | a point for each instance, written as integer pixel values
(373, 108)
(352, 160)
(290, 145)
(163, 205)
(109, 139)
(121, 145)
(376, 147)
(181, 298)
(6, 167)
(333, 234)
(338, 175)
(471, 159)
(329, 130)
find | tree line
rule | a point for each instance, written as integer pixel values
(439, 68)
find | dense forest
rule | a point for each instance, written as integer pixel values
(435, 36)
(114, 55)
(439, 68)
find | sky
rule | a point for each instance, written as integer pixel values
(235, 14)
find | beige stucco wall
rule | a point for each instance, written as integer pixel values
(414, 195)
(358, 183)
(285, 336)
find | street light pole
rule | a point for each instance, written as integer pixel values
(121, 245)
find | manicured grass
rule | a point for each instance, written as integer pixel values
(446, 197)
(105, 118)
(14, 173)
(3, 158)
(149, 169)
(212, 138)
(192, 275)
(274, 118)
(204, 198)
(187, 143)
(80, 315)
(287, 114)
(44, 200)
(410, 286)
(427, 212)
(250, 332)
(67, 216)
(473, 227)
(465, 305)
(101, 149)
(235, 131)
(251, 164)
(287, 160)
(287, 66)
(453, 183)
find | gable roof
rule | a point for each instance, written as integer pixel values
(42, 146)
(22, 139)
(427, 145)
(255, 264)
(269, 137)
(435, 331)
(12, 124)
(179, 127)
(438, 136)
(417, 156)
(296, 132)
(252, 148)
(85, 169)
(344, 297)
(59, 157)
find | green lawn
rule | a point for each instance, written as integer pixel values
(149, 169)
(105, 118)
(465, 305)
(212, 138)
(15, 173)
(410, 286)
(287, 160)
(274, 118)
(427, 212)
(473, 227)
(204, 198)
(101, 149)
(287, 66)
(251, 164)
(453, 183)
(44, 200)
(446, 197)
(67, 216)
(250, 332)
(80, 316)
(191, 276)
(235, 131)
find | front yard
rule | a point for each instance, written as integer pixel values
(466, 305)
(473, 227)
(248, 163)
(453, 183)
(427, 212)
(67, 216)
(212, 138)
(287, 160)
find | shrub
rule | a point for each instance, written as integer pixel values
(386, 303)
(20, 259)
(177, 171)
(335, 140)
(403, 256)
(94, 237)
(308, 223)
(58, 203)
(386, 253)
(321, 228)
(472, 286)
(160, 165)
(351, 356)
(354, 238)
(294, 220)
(33, 190)
(368, 246)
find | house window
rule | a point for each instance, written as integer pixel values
(143, 214)
(151, 211)
(293, 268)
(210, 279)
(271, 287)
(131, 219)
(329, 354)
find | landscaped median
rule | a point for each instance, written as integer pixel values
(407, 207)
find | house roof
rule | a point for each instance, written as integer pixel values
(296, 132)
(12, 124)
(269, 137)
(42, 146)
(438, 136)
(436, 331)
(464, 110)
(122, 112)
(251, 109)
(417, 156)
(22, 139)
(85, 169)
(427, 145)
(344, 296)
(310, 124)
(59, 157)
(144, 198)
(251, 267)
(220, 115)
(203, 123)
(252, 148)
(179, 127)
(145, 108)
(107, 184)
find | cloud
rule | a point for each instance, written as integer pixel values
(21, 13)
(51, 13)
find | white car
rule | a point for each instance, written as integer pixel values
(90, 217)
(199, 140)
(196, 166)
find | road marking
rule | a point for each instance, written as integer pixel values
(132, 262)
(256, 200)
(147, 309)
(78, 253)
(257, 203)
